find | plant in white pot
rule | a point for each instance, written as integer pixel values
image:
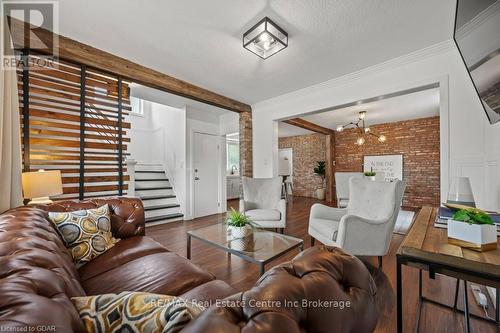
(473, 229)
(370, 175)
(239, 225)
(320, 170)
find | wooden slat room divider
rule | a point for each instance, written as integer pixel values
(72, 120)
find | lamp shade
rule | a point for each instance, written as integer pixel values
(461, 192)
(42, 183)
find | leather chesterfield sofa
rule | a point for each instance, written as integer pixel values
(38, 279)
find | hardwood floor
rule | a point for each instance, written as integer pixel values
(242, 275)
(233, 203)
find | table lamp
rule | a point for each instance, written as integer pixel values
(461, 192)
(40, 185)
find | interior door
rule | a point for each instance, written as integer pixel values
(206, 158)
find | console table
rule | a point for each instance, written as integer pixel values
(426, 248)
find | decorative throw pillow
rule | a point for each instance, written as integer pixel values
(135, 312)
(86, 233)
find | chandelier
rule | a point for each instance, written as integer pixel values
(363, 129)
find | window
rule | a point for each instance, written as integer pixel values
(137, 106)
(233, 156)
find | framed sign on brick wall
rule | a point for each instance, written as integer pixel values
(390, 165)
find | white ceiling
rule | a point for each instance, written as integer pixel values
(194, 109)
(200, 41)
(410, 106)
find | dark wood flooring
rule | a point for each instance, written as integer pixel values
(242, 275)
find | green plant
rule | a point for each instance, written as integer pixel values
(472, 216)
(320, 169)
(370, 174)
(237, 219)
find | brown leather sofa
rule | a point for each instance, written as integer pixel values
(38, 279)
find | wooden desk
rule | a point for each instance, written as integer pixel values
(426, 247)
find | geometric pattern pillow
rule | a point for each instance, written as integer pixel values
(135, 312)
(86, 233)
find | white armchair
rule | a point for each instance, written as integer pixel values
(262, 202)
(365, 227)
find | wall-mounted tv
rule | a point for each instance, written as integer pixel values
(477, 35)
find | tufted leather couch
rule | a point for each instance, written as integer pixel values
(38, 279)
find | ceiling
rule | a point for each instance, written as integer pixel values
(410, 106)
(200, 41)
(194, 109)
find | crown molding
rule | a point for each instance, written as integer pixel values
(478, 20)
(419, 55)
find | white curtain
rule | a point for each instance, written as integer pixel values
(10, 142)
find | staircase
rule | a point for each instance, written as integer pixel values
(154, 189)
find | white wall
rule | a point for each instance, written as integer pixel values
(229, 123)
(469, 144)
(164, 134)
(172, 124)
(143, 133)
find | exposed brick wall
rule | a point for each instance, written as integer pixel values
(417, 140)
(307, 150)
(246, 166)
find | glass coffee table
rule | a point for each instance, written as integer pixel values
(259, 248)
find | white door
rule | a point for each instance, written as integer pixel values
(206, 159)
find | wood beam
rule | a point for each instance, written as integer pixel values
(309, 126)
(73, 51)
(330, 167)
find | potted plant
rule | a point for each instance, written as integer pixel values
(320, 170)
(370, 174)
(239, 225)
(472, 228)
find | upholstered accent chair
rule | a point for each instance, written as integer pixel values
(342, 186)
(365, 227)
(262, 202)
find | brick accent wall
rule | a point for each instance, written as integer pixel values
(417, 140)
(307, 150)
(246, 163)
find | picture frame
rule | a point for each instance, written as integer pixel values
(390, 165)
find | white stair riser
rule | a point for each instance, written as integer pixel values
(139, 184)
(164, 211)
(153, 192)
(156, 202)
(150, 224)
(149, 175)
(140, 167)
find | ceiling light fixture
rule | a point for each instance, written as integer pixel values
(363, 129)
(265, 38)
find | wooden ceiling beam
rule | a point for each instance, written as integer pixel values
(73, 51)
(309, 126)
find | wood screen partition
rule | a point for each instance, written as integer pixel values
(72, 120)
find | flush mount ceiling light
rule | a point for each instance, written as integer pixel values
(363, 129)
(265, 38)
